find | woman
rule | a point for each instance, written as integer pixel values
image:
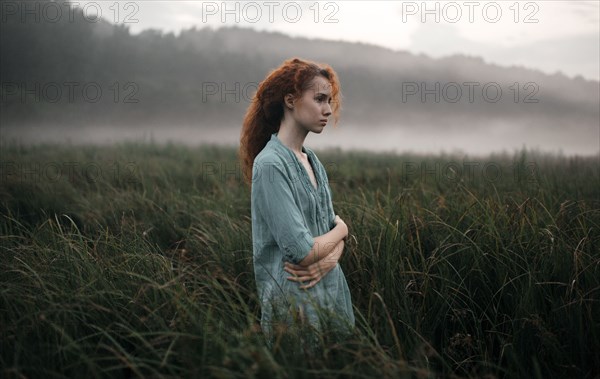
(297, 238)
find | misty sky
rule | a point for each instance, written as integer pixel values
(547, 35)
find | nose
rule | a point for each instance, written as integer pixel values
(327, 110)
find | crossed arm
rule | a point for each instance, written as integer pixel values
(322, 258)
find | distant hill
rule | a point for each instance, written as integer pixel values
(51, 73)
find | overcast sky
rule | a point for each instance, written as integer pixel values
(547, 35)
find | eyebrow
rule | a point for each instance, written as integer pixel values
(322, 93)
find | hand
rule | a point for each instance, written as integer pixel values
(316, 271)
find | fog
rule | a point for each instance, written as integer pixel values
(476, 139)
(94, 82)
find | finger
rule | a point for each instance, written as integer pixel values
(293, 266)
(299, 278)
(297, 272)
(317, 271)
(309, 285)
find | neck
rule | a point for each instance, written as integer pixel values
(292, 137)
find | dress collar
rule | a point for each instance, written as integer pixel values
(307, 183)
(275, 138)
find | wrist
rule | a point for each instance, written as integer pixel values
(346, 231)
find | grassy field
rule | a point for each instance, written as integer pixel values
(136, 261)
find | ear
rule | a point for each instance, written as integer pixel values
(289, 101)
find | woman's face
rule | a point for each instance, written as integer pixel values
(312, 110)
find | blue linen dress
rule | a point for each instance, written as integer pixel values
(287, 213)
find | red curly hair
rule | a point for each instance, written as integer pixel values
(265, 113)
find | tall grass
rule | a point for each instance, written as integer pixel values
(136, 261)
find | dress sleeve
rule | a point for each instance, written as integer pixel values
(273, 199)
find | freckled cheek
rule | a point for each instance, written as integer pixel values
(312, 112)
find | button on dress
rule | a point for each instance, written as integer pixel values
(287, 213)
